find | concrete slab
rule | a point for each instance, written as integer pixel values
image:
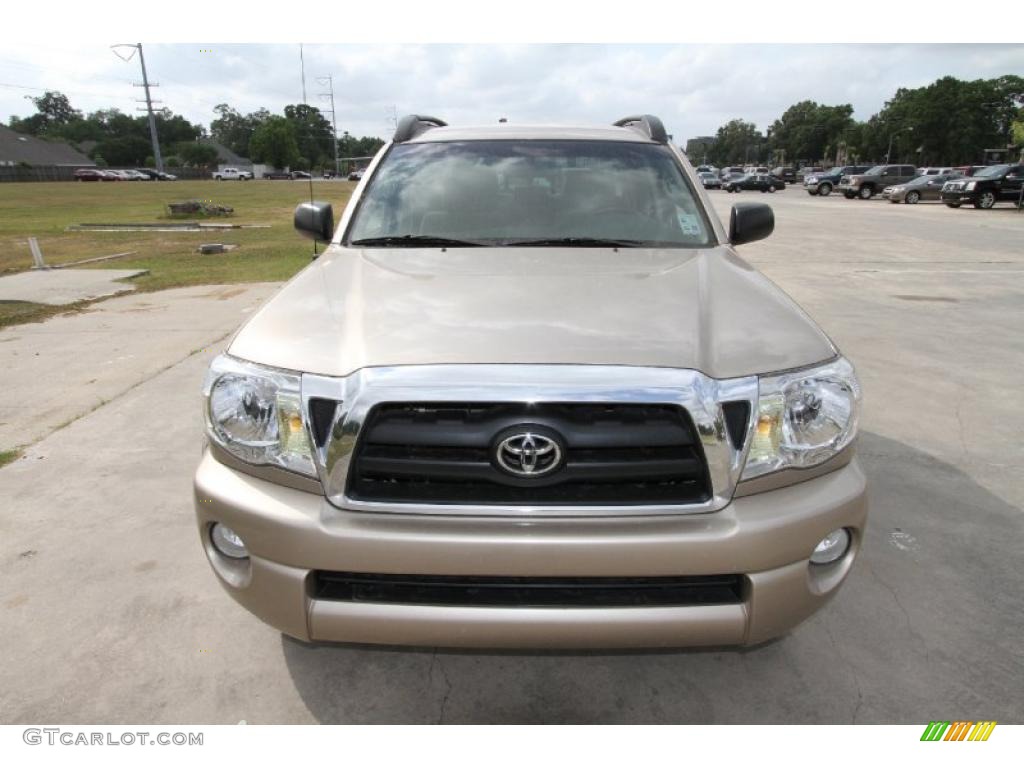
(65, 286)
(60, 369)
(110, 614)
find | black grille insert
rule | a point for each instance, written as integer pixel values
(443, 453)
(522, 592)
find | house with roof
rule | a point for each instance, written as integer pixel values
(20, 149)
(228, 159)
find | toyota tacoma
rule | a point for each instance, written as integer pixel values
(530, 396)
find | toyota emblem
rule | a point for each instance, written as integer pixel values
(528, 453)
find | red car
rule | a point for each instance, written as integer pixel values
(91, 174)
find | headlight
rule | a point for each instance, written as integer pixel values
(803, 417)
(812, 180)
(255, 413)
(971, 185)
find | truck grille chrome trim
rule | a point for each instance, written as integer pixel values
(700, 396)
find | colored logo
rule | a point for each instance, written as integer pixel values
(960, 730)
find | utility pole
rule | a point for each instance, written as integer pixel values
(145, 84)
(302, 67)
(334, 120)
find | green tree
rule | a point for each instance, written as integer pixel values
(273, 142)
(194, 154)
(312, 131)
(53, 111)
(234, 130)
(809, 131)
(737, 142)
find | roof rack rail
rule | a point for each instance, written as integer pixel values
(649, 125)
(411, 126)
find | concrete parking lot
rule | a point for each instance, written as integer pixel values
(109, 613)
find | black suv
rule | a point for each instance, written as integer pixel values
(785, 173)
(986, 187)
(823, 182)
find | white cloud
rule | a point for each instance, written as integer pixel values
(694, 88)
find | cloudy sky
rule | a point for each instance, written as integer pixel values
(693, 88)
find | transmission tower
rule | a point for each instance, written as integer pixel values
(334, 121)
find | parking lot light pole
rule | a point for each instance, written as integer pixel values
(891, 137)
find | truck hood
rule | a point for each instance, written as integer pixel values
(701, 309)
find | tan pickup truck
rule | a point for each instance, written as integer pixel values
(530, 395)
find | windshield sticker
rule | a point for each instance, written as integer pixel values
(689, 223)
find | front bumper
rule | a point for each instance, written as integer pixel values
(766, 537)
(959, 196)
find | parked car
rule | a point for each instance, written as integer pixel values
(300, 175)
(925, 187)
(404, 450)
(154, 175)
(866, 185)
(276, 175)
(89, 174)
(807, 170)
(785, 173)
(823, 182)
(970, 170)
(357, 174)
(760, 182)
(709, 180)
(232, 174)
(996, 183)
(934, 171)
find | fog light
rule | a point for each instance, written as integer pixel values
(227, 542)
(832, 547)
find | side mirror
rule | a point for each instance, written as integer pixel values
(749, 222)
(315, 220)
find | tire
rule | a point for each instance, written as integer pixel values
(912, 198)
(811, 192)
(866, 192)
(952, 205)
(986, 201)
(849, 195)
(894, 201)
(771, 189)
(825, 189)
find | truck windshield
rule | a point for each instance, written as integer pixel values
(992, 171)
(524, 193)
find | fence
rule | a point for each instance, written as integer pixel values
(67, 172)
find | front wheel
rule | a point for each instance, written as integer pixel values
(811, 192)
(849, 195)
(771, 189)
(913, 198)
(986, 201)
(825, 190)
(866, 193)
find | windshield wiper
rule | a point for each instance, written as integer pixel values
(424, 241)
(577, 242)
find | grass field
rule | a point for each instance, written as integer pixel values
(43, 211)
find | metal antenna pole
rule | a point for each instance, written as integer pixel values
(334, 120)
(149, 101)
(302, 66)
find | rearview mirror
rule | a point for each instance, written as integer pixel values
(315, 220)
(749, 222)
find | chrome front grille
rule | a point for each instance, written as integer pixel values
(422, 439)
